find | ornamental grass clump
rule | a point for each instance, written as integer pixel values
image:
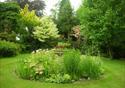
(91, 67)
(71, 62)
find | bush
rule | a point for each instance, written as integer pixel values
(71, 62)
(9, 48)
(8, 36)
(91, 67)
(45, 60)
(28, 69)
(46, 31)
(59, 78)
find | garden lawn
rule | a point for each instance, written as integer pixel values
(114, 76)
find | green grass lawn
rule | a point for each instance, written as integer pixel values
(114, 76)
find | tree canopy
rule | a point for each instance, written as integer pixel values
(103, 27)
(37, 5)
(65, 19)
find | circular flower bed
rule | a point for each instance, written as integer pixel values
(47, 66)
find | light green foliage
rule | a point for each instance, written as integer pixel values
(71, 62)
(59, 78)
(63, 44)
(46, 30)
(50, 61)
(30, 20)
(29, 69)
(39, 65)
(9, 48)
(91, 67)
(29, 17)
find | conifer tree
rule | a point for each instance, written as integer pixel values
(65, 19)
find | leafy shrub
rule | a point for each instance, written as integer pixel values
(71, 62)
(28, 69)
(9, 48)
(91, 67)
(46, 30)
(7, 36)
(45, 60)
(58, 78)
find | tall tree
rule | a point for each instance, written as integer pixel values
(10, 21)
(65, 18)
(30, 20)
(103, 26)
(37, 5)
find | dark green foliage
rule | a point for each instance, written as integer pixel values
(65, 19)
(9, 7)
(71, 62)
(8, 37)
(8, 49)
(103, 27)
(10, 22)
(10, 18)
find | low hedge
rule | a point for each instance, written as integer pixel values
(8, 49)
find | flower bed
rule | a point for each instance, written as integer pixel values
(47, 66)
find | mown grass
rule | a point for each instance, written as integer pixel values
(114, 76)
